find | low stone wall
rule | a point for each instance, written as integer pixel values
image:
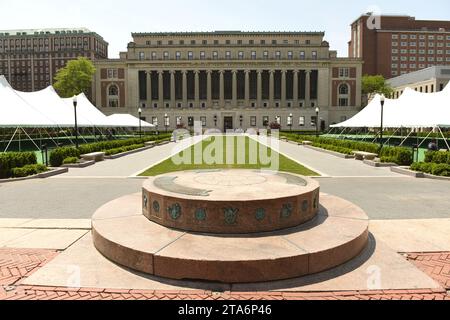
(52, 172)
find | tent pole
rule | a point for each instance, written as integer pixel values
(425, 139)
(391, 136)
(401, 144)
(339, 136)
(31, 139)
(445, 140)
(10, 141)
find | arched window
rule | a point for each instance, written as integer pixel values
(344, 95)
(343, 89)
(113, 90)
(113, 96)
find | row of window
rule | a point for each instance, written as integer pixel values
(44, 55)
(252, 121)
(420, 37)
(421, 44)
(228, 55)
(420, 59)
(226, 42)
(413, 51)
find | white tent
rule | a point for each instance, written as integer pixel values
(87, 111)
(16, 112)
(412, 109)
(127, 121)
(45, 108)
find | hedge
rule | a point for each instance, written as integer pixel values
(58, 155)
(124, 149)
(70, 160)
(437, 169)
(398, 155)
(437, 157)
(11, 160)
(28, 170)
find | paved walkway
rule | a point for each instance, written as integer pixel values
(125, 166)
(18, 264)
(331, 165)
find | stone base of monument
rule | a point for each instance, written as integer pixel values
(301, 241)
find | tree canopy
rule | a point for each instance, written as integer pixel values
(74, 78)
(375, 84)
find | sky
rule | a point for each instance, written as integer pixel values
(115, 20)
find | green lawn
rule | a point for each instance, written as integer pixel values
(243, 159)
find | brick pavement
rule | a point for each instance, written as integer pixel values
(16, 264)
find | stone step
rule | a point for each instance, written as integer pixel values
(337, 234)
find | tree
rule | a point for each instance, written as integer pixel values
(372, 85)
(74, 78)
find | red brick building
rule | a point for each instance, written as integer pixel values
(29, 59)
(397, 45)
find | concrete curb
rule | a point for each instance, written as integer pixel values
(407, 172)
(51, 173)
(336, 154)
(430, 176)
(379, 164)
(123, 154)
(79, 165)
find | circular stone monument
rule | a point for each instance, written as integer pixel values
(230, 226)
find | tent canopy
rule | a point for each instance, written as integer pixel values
(45, 108)
(412, 109)
(127, 120)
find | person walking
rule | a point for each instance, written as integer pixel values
(432, 146)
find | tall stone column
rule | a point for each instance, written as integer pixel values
(172, 89)
(259, 89)
(197, 88)
(185, 102)
(295, 97)
(283, 88)
(247, 88)
(209, 88)
(308, 89)
(271, 88)
(222, 89)
(234, 89)
(149, 88)
(161, 89)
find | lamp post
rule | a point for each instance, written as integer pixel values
(140, 127)
(215, 120)
(382, 100)
(241, 119)
(166, 123)
(290, 122)
(75, 102)
(317, 121)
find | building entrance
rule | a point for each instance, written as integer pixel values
(227, 124)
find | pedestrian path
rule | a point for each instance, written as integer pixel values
(131, 165)
(330, 165)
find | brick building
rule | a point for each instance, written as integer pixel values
(29, 59)
(231, 80)
(401, 45)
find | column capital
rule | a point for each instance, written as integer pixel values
(247, 71)
(234, 71)
(295, 71)
(221, 71)
(173, 71)
(160, 72)
(196, 71)
(308, 71)
(271, 72)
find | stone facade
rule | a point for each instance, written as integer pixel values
(230, 80)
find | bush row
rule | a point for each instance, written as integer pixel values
(58, 155)
(11, 160)
(437, 157)
(437, 169)
(28, 170)
(398, 155)
(123, 149)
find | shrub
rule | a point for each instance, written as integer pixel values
(437, 157)
(58, 155)
(11, 160)
(388, 159)
(422, 167)
(441, 169)
(70, 160)
(28, 170)
(123, 149)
